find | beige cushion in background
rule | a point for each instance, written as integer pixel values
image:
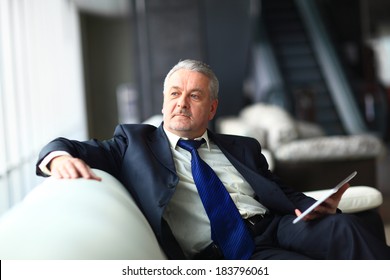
(280, 126)
(236, 126)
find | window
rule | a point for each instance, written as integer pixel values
(41, 87)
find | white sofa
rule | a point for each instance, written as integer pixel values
(85, 219)
(77, 219)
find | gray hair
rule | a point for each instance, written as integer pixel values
(197, 66)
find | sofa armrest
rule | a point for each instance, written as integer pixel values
(355, 199)
(77, 219)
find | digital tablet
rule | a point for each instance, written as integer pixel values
(326, 195)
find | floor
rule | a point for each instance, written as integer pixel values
(384, 187)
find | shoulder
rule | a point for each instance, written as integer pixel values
(134, 129)
(232, 137)
(229, 139)
(140, 133)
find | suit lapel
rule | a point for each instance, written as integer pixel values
(159, 145)
(160, 148)
(268, 192)
(229, 147)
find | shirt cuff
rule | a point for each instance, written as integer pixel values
(45, 162)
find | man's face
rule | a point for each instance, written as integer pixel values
(187, 106)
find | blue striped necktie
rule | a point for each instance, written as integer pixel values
(228, 229)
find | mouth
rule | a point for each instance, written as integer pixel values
(181, 114)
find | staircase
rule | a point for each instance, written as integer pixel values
(306, 91)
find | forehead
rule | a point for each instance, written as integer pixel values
(184, 77)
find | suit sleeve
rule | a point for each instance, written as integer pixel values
(105, 155)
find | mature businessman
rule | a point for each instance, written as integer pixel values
(158, 168)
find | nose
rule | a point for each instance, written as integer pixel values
(182, 102)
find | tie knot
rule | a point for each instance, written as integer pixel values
(190, 145)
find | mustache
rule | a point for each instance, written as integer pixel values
(182, 112)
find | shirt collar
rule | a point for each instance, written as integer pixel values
(173, 138)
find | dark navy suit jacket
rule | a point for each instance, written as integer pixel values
(140, 157)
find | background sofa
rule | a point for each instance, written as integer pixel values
(300, 153)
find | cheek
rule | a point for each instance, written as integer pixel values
(167, 107)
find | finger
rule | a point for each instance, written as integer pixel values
(65, 173)
(70, 169)
(67, 167)
(56, 174)
(306, 218)
(298, 212)
(81, 168)
(61, 167)
(86, 172)
(335, 198)
(78, 168)
(95, 177)
(343, 189)
(324, 209)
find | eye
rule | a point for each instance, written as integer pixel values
(195, 96)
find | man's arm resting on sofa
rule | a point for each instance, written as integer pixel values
(62, 165)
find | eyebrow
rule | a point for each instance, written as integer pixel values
(174, 87)
(193, 90)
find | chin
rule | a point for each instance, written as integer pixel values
(180, 127)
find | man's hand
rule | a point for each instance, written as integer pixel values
(68, 167)
(329, 206)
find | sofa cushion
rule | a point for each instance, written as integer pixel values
(280, 126)
(236, 126)
(308, 130)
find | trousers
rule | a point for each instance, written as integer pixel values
(339, 236)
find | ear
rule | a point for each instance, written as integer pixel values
(213, 109)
